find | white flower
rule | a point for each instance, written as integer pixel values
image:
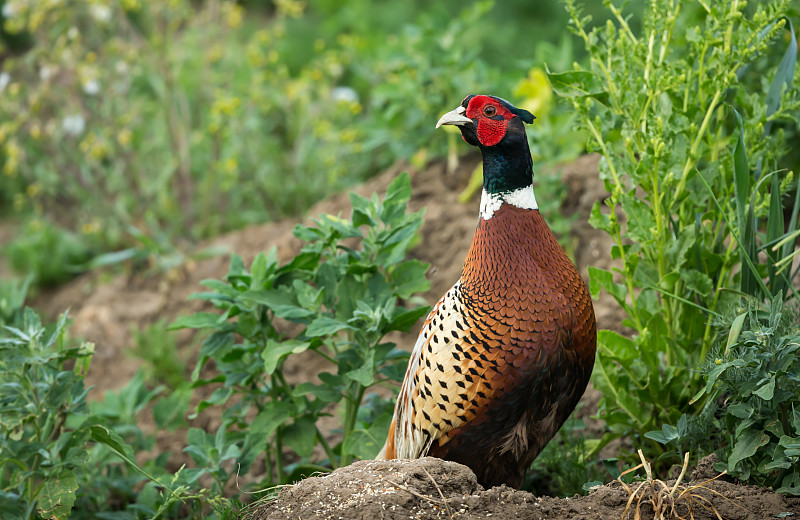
(91, 87)
(5, 79)
(101, 13)
(45, 73)
(10, 9)
(74, 124)
(344, 95)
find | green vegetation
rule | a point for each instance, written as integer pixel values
(346, 298)
(751, 417)
(702, 226)
(150, 126)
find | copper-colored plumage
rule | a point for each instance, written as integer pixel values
(505, 355)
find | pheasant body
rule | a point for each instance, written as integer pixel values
(504, 356)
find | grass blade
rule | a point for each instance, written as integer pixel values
(744, 211)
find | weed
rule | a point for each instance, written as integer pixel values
(674, 165)
(344, 291)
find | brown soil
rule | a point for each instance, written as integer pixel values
(431, 488)
(107, 309)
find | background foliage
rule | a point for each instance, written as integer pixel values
(153, 125)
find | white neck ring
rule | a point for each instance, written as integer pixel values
(520, 198)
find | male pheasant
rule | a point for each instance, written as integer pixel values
(505, 355)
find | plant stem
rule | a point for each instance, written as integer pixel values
(353, 402)
(328, 451)
(279, 454)
(691, 158)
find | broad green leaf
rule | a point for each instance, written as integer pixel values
(57, 496)
(746, 446)
(598, 219)
(268, 420)
(405, 319)
(399, 190)
(366, 443)
(110, 438)
(365, 374)
(301, 436)
(199, 320)
(323, 392)
(275, 351)
(616, 344)
(578, 84)
(325, 326)
(736, 329)
(600, 278)
(409, 278)
(766, 391)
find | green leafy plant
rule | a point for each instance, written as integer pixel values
(39, 451)
(57, 453)
(48, 252)
(654, 105)
(157, 348)
(752, 414)
(12, 300)
(343, 293)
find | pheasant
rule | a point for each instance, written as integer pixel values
(505, 355)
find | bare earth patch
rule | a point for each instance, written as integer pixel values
(431, 488)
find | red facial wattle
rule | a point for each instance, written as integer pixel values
(491, 128)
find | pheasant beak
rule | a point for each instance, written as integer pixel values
(455, 117)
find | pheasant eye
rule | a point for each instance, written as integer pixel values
(489, 110)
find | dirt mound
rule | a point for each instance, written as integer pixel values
(431, 488)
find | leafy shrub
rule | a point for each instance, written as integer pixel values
(57, 453)
(752, 415)
(12, 300)
(40, 451)
(47, 252)
(654, 104)
(343, 292)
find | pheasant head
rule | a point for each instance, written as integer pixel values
(498, 128)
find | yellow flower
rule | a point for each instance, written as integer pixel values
(290, 8)
(215, 53)
(124, 136)
(90, 227)
(33, 189)
(535, 91)
(35, 131)
(355, 107)
(231, 165)
(130, 5)
(91, 57)
(234, 15)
